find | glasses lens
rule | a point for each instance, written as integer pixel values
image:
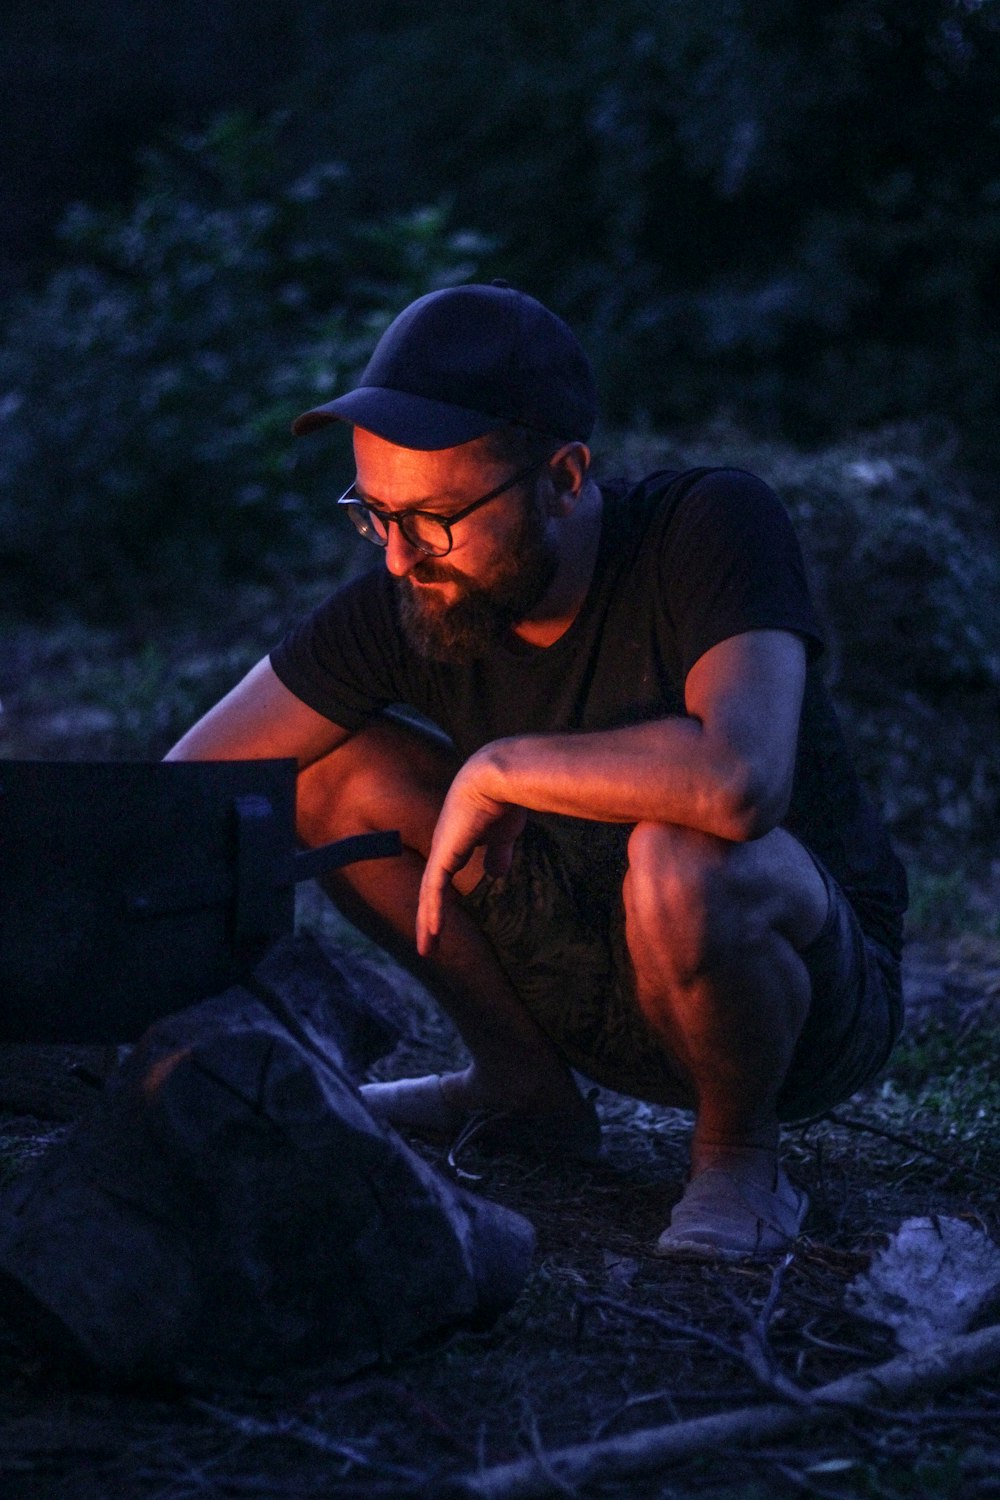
(425, 532)
(369, 525)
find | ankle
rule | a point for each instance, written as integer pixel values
(755, 1159)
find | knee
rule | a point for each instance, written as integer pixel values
(383, 777)
(681, 898)
(328, 794)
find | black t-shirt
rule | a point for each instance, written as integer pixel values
(685, 560)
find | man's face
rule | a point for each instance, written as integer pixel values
(503, 558)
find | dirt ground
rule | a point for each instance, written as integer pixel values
(605, 1339)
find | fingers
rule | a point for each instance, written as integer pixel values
(430, 905)
(449, 853)
(459, 832)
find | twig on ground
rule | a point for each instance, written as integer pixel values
(560, 1486)
(804, 1481)
(828, 1344)
(649, 1399)
(755, 1343)
(773, 1293)
(753, 1351)
(963, 1357)
(661, 1320)
(910, 1143)
(294, 1430)
(383, 1388)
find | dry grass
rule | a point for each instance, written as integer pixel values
(578, 1356)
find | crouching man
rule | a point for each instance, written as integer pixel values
(635, 845)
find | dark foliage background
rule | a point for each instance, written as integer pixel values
(775, 226)
(789, 210)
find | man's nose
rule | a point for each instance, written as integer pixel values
(401, 555)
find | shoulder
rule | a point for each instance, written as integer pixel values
(717, 547)
(667, 492)
(721, 488)
(675, 512)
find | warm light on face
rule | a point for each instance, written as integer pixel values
(429, 531)
(506, 561)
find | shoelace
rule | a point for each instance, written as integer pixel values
(473, 1127)
(478, 1122)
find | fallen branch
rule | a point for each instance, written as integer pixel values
(943, 1364)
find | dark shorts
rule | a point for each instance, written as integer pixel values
(557, 924)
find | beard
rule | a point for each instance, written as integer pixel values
(468, 627)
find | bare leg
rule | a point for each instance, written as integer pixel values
(714, 931)
(393, 775)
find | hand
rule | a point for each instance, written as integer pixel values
(470, 819)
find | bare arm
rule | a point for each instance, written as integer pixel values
(257, 720)
(726, 770)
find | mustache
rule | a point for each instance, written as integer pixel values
(432, 571)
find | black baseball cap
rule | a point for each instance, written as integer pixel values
(462, 362)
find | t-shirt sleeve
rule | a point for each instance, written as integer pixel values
(342, 659)
(730, 563)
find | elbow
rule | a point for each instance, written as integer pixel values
(752, 804)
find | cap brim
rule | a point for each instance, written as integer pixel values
(398, 416)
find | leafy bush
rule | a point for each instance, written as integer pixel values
(788, 212)
(145, 453)
(906, 575)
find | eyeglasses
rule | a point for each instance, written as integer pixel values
(423, 529)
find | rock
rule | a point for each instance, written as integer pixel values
(229, 1208)
(936, 1277)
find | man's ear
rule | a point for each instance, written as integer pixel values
(567, 473)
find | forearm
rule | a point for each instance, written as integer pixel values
(725, 768)
(666, 771)
(257, 720)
